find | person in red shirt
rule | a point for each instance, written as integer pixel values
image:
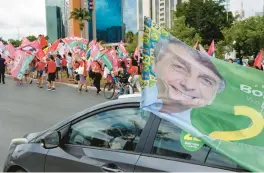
(40, 66)
(134, 75)
(51, 73)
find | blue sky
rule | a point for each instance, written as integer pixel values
(108, 13)
(130, 15)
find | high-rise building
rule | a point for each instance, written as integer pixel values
(259, 14)
(108, 21)
(56, 19)
(130, 16)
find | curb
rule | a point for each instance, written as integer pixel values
(62, 83)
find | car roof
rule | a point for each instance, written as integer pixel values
(121, 100)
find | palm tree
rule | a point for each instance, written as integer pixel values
(81, 15)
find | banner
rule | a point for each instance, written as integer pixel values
(217, 102)
(21, 64)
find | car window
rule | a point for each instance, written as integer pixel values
(118, 129)
(216, 159)
(168, 143)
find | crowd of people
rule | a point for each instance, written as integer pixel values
(250, 63)
(80, 70)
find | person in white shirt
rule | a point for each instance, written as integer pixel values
(69, 65)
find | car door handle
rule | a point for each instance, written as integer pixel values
(110, 169)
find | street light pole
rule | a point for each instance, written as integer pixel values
(94, 21)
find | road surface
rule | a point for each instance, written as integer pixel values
(30, 109)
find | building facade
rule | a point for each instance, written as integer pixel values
(56, 19)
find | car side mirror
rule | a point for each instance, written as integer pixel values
(51, 141)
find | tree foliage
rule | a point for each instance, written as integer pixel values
(15, 43)
(32, 38)
(208, 18)
(81, 15)
(129, 36)
(246, 37)
(133, 45)
(183, 32)
(3, 41)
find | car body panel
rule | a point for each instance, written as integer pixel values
(84, 159)
(28, 156)
(152, 164)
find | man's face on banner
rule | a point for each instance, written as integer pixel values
(184, 82)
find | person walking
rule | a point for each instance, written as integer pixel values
(51, 73)
(40, 70)
(83, 74)
(97, 76)
(58, 65)
(69, 65)
(2, 69)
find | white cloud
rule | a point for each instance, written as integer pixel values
(22, 18)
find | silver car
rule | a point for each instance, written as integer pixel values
(116, 136)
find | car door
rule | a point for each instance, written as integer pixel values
(164, 152)
(109, 140)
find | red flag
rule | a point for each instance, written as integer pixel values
(54, 46)
(43, 41)
(258, 60)
(211, 50)
(25, 41)
(40, 54)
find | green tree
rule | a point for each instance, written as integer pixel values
(81, 15)
(246, 37)
(133, 45)
(129, 37)
(32, 38)
(15, 43)
(208, 18)
(3, 41)
(183, 32)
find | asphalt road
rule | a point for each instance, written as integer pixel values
(27, 108)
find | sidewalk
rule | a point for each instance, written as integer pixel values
(68, 83)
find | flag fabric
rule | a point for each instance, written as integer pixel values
(258, 60)
(107, 61)
(122, 49)
(31, 46)
(54, 46)
(113, 58)
(211, 50)
(2, 46)
(95, 51)
(40, 54)
(202, 49)
(10, 51)
(24, 41)
(21, 64)
(43, 41)
(196, 93)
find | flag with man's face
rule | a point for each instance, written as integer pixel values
(214, 102)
